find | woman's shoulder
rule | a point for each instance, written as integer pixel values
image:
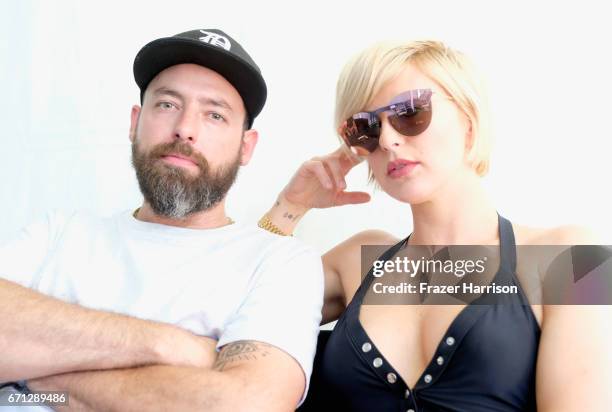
(351, 247)
(345, 259)
(372, 237)
(559, 235)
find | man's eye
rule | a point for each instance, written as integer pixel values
(165, 105)
(216, 116)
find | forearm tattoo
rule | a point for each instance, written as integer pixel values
(240, 351)
(290, 216)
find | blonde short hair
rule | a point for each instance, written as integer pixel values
(365, 75)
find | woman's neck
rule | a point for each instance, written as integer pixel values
(460, 212)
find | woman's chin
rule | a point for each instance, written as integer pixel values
(411, 195)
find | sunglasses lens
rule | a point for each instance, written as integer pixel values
(412, 122)
(362, 134)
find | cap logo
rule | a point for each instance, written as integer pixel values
(215, 39)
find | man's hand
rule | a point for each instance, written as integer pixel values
(183, 348)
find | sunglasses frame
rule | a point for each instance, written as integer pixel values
(409, 101)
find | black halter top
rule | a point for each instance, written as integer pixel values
(486, 360)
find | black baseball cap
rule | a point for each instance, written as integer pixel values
(212, 49)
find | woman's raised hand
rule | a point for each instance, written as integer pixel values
(320, 183)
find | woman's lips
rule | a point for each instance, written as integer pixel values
(400, 168)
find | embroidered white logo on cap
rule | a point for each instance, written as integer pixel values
(215, 39)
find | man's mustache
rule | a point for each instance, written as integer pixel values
(178, 147)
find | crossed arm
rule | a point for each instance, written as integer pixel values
(108, 361)
(42, 336)
(247, 375)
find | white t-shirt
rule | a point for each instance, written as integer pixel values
(236, 282)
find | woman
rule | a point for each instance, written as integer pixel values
(417, 114)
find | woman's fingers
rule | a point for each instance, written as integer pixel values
(351, 198)
(338, 164)
(317, 168)
(346, 158)
(332, 165)
(330, 171)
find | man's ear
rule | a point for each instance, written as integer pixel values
(249, 141)
(134, 121)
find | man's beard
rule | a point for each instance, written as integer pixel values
(172, 191)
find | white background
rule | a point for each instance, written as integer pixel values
(67, 89)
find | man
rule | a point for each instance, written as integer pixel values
(125, 313)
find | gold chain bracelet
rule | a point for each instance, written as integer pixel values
(266, 223)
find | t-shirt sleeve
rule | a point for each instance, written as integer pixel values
(23, 255)
(283, 307)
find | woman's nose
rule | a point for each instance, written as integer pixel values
(389, 137)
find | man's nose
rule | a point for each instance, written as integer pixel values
(187, 125)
